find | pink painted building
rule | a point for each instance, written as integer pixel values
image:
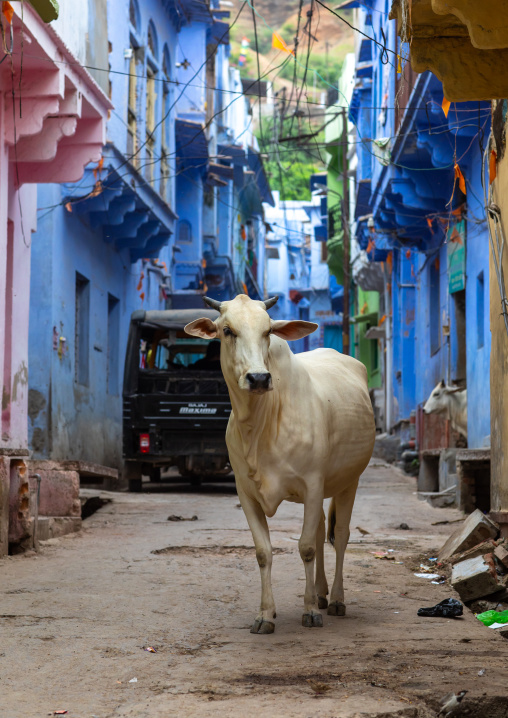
(52, 124)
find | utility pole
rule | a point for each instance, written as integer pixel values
(345, 226)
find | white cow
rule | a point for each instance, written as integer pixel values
(301, 429)
(452, 401)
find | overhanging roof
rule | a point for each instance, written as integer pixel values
(118, 201)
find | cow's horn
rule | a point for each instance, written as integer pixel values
(213, 303)
(270, 302)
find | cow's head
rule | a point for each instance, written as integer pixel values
(244, 328)
(439, 399)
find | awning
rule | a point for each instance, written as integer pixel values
(191, 143)
(117, 201)
(182, 12)
(363, 205)
(218, 33)
(256, 165)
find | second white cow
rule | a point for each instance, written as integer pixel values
(452, 401)
(301, 429)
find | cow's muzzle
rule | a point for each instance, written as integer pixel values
(260, 382)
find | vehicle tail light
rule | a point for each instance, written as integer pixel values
(144, 443)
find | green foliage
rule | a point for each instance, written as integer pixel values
(329, 70)
(292, 177)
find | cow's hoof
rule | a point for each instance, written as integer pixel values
(322, 602)
(261, 626)
(337, 608)
(312, 620)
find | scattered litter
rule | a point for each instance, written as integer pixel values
(432, 559)
(493, 618)
(442, 523)
(173, 517)
(150, 649)
(404, 527)
(431, 576)
(363, 531)
(383, 554)
(377, 591)
(396, 611)
(238, 506)
(440, 580)
(60, 713)
(428, 569)
(133, 680)
(449, 608)
(400, 563)
(482, 672)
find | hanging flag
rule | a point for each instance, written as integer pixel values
(97, 170)
(68, 206)
(241, 60)
(492, 166)
(142, 296)
(460, 177)
(408, 254)
(279, 44)
(445, 105)
(429, 222)
(140, 283)
(399, 64)
(7, 11)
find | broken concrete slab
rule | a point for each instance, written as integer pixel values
(501, 553)
(475, 529)
(481, 549)
(475, 578)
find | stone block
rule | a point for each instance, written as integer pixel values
(475, 578)
(50, 527)
(475, 529)
(59, 493)
(447, 469)
(501, 553)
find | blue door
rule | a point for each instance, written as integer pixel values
(333, 337)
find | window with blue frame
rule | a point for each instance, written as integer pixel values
(184, 233)
(480, 310)
(434, 306)
(151, 103)
(113, 342)
(82, 331)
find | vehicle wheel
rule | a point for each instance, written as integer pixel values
(136, 485)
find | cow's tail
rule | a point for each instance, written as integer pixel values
(331, 522)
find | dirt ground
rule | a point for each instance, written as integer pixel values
(75, 619)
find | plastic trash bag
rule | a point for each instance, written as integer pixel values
(449, 608)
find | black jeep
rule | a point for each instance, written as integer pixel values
(175, 400)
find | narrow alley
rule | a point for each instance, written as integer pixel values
(77, 618)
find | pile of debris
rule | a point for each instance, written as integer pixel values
(479, 562)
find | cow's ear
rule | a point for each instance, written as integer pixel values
(203, 328)
(292, 330)
(442, 385)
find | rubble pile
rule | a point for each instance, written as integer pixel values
(479, 565)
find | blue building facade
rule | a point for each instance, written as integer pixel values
(172, 210)
(419, 210)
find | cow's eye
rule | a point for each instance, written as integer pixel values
(228, 332)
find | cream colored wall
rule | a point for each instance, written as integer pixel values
(499, 359)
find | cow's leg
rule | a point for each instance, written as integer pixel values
(312, 516)
(321, 583)
(343, 510)
(259, 529)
